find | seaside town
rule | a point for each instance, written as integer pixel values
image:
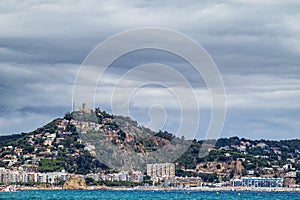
(164, 173)
(149, 99)
(54, 154)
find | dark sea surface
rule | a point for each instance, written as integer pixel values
(145, 195)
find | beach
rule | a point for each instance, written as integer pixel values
(237, 189)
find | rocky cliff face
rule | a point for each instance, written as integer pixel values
(74, 183)
(221, 167)
(238, 168)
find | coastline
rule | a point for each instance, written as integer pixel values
(204, 189)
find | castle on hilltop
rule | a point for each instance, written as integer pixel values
(84, 108)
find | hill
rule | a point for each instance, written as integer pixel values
(89, 142)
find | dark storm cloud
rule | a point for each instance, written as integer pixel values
(255, 45)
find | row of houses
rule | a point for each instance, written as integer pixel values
(257, 182)
(136, 176)
(8, 176)
(242, 147)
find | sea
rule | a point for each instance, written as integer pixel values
(145, 195)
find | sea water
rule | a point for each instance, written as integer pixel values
(145, 195)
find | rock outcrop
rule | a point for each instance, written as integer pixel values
(238, 168)
(74, 183)
(289, 182)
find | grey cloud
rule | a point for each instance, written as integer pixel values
(254, 43)
(257, 123)
(32, 88)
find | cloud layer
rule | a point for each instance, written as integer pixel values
(255, 44)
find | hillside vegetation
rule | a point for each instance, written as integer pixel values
(91, 142)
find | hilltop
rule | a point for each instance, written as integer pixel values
(85, 142)
(70, 143)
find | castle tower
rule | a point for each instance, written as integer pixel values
(84, 109)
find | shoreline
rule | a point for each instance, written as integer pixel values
(204, 189)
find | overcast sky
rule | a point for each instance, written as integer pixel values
(254, 43)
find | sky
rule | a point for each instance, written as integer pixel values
(255, 45)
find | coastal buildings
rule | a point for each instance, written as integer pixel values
(258, 182)
(136, 176)
(186, 182)
(164, 170)
(8, 176)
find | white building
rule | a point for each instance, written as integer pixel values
(8, 176)
(258, 182)
(164, 170)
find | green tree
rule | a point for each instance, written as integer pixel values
(68, 116)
